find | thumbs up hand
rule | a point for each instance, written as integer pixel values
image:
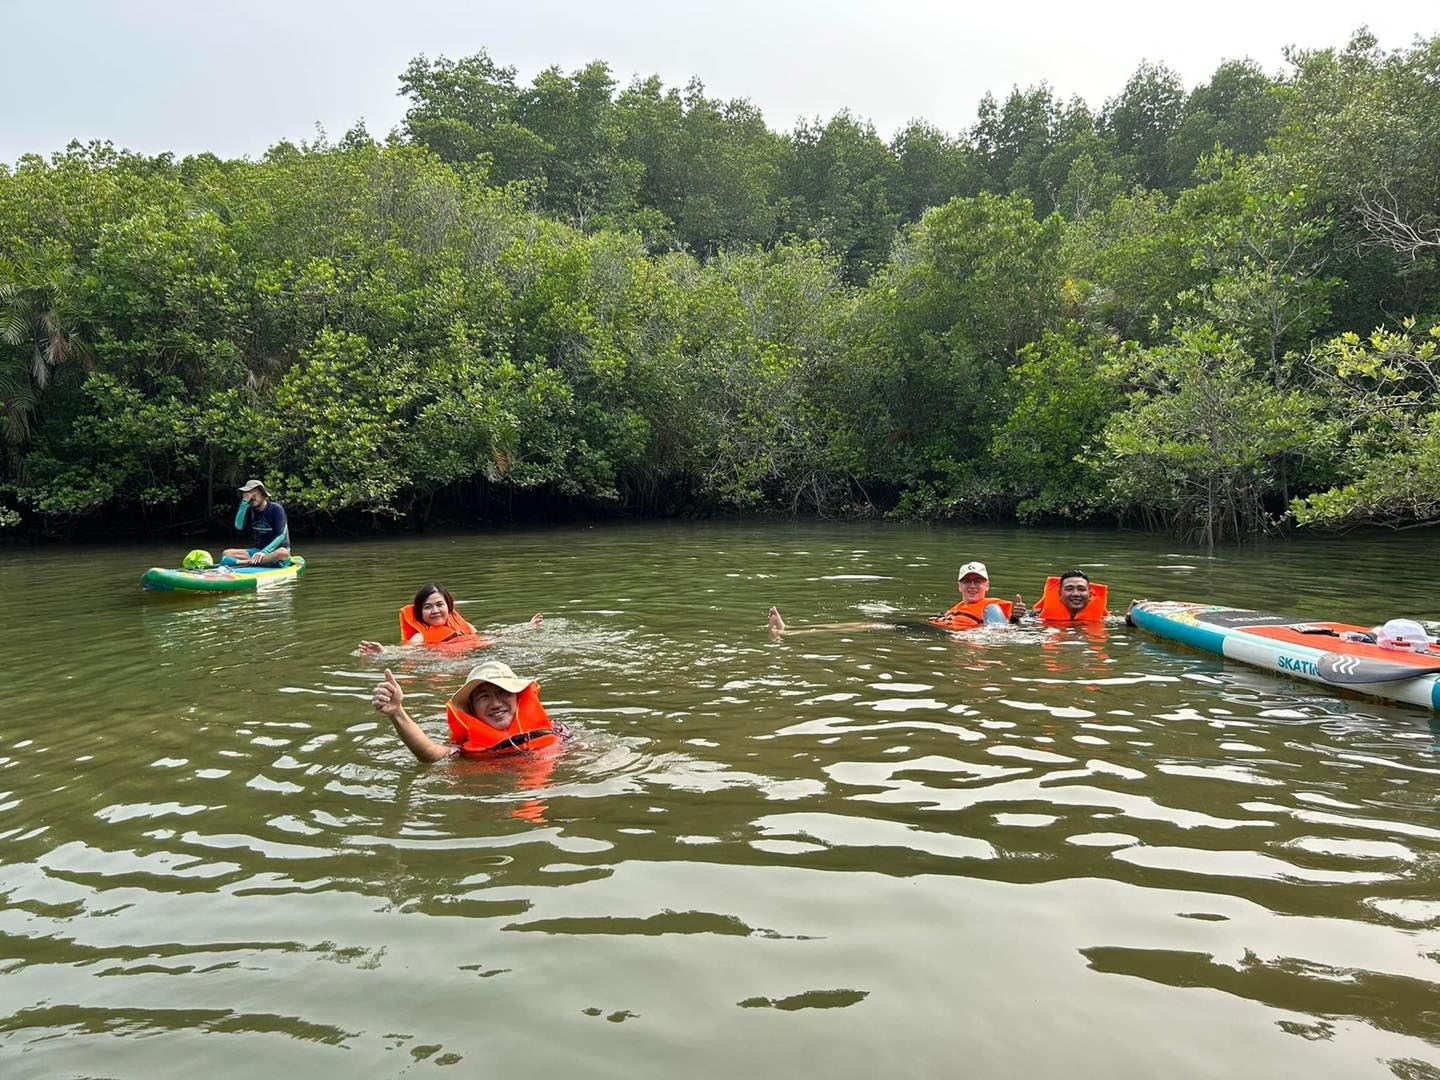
(1018, 609)
(388, 698)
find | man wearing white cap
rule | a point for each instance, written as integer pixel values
(975, 608)
(269, 531)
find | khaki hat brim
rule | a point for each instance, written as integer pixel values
(461, 697)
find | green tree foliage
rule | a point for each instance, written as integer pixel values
(1206, 309)
(1204, 446)
(1126, 264)
(1385, 389)
(1081, 172)
(1261, 254)
(931, 342)
(122, 447)
(760, 334)
(710, 169)
(1237, 110)
(42, 331)
(690, 171)
(1014, 136)
(1055, 154)
(1063, 391)
(332, 432)
(838, 178)
(464, 109)
(1360, 127)
(564, 129)
(933, 169)
(1143, 120)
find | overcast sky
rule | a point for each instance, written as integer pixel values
(155, 75)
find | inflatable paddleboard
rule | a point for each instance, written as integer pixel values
(221, 578)
(1306, 650)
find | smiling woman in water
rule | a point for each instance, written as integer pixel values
(431, 619)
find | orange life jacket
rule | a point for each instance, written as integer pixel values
(455, 626)
(530, 730)
(1051, 609)
(968, 616)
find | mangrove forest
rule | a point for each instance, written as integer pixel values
(1212, 310)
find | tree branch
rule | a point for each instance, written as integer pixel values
(1388, 228)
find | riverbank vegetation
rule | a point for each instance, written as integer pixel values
(1209, 310)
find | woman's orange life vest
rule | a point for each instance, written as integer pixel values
(968, 616)
(1051, 609)
(455, 626)
(530, 730)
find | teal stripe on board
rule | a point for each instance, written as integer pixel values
(1185, 633)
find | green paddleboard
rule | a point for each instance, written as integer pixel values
(221, 578)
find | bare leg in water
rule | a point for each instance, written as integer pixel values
(778, 627)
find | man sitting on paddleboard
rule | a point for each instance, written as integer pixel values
(269, 531)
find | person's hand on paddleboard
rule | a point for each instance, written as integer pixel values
(370, 648)
(536, 620)
(388, 698)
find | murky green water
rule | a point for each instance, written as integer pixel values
(841, 854)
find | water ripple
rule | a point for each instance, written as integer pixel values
(756, 852)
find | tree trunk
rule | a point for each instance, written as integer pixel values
(1210, 514)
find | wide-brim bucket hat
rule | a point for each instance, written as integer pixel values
(493, 672)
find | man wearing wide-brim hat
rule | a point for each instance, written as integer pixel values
(495, 713)
(269, 530)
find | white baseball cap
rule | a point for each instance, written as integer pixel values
(974, 568)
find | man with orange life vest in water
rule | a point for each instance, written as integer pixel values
(977, 609)
(1072, 598)
(1069, 598)
(496, 712)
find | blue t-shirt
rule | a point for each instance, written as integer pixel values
(268, 526)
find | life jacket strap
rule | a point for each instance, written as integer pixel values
(520, 738)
